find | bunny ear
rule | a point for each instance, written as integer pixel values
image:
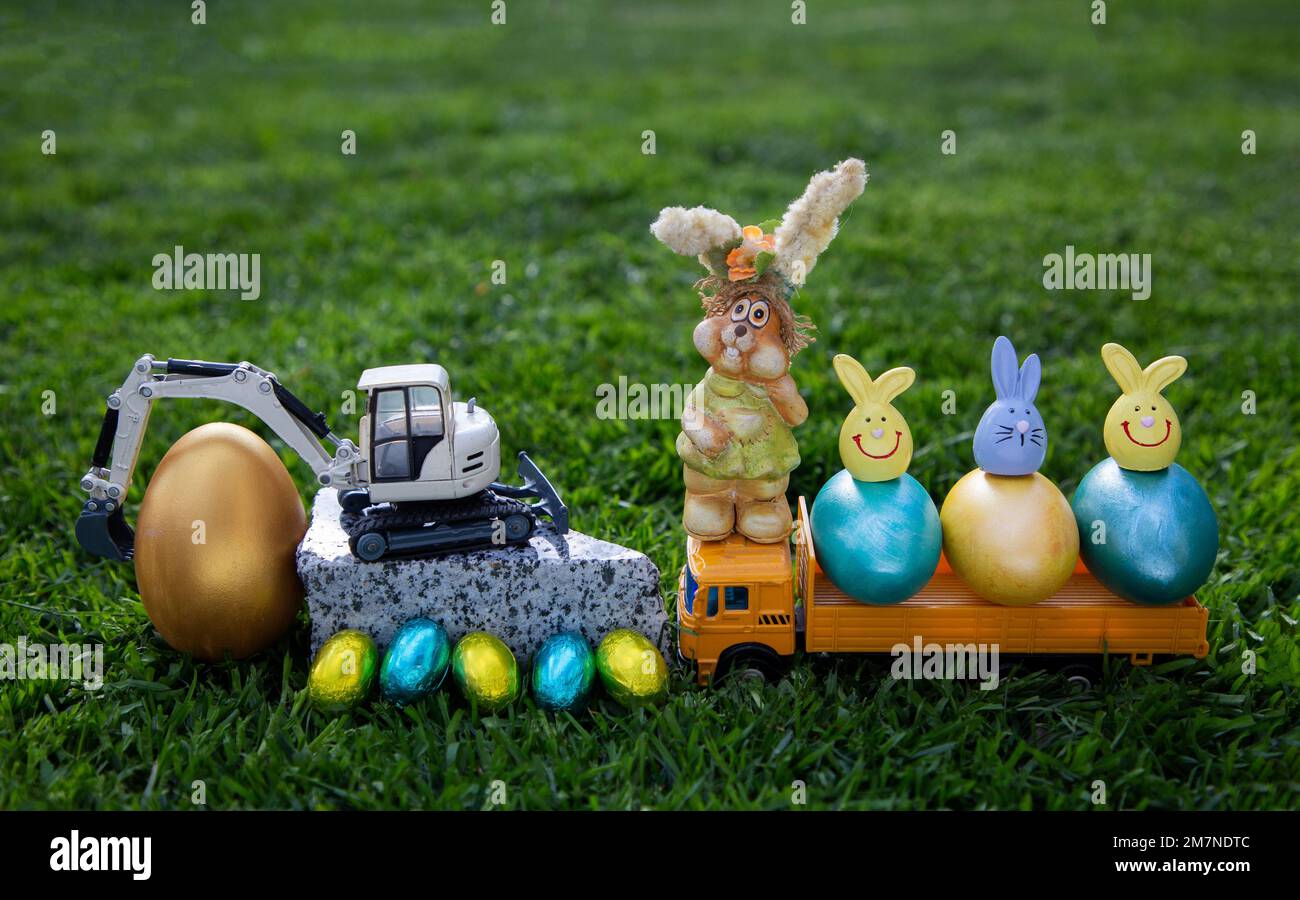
(854, 378)
(1163, 372)
(808, 226)
(1031, 373)
(894, 382)
(1004, 368)
(1123, 367)
(695, 232)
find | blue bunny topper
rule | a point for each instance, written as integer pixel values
(1011, 438)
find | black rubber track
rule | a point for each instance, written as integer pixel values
(386, 518)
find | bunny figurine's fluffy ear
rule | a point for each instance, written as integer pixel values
(809, 224)
(1005, 369)
(1123, 367)
(894, 382)
(1031, 373)
(854, 378)
(1163, 372)
(699, 232)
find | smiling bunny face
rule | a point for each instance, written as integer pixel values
(875, 442)
(1011, 438)
(1142, 431)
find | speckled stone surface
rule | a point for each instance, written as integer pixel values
(523, 595)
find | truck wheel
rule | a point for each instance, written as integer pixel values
(1082, 675)
(370, 546)
(518, 527)
(750, 662)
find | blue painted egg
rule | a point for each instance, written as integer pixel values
(416, 662)
(563, 671)
(878, 541)
(1160, 532)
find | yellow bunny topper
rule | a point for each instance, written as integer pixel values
(1142, 432)
(875, 442)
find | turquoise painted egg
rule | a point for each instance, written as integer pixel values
(878, 541)
(416, 662)
(563, 671)
(1150, 537)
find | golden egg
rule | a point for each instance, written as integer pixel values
(631, 668)
(1012, 538)
(343, 671)
(215, 542)
(485, 670)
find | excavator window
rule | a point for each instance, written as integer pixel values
(407, 424)
(426, 412)
(391, 450)
(390, 414)
(392, 460)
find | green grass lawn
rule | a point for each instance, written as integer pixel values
(523, 143)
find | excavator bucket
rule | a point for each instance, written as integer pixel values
(535, 484)
(105, 533)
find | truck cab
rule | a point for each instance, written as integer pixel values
(735, 607)
(414, 437)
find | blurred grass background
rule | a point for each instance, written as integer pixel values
(523, 143)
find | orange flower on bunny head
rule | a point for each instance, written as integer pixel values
(741, 262)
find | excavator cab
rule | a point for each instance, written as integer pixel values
(406, 425)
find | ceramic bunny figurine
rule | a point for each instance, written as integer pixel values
(874, 527)
(1008, 531)
(1161, 532)
(875, 442)
(1011, 438)
(736, 442)
(1142, 432)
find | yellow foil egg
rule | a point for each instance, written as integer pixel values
(342, 672)
(485, 670)
(215, 542)
(1012, 538)
(631, 668)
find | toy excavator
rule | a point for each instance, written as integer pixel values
(422, 482)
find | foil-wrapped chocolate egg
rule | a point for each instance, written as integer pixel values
(342, 672)
(563, 670)
(416, 662)
(485, 670)
(631, 668)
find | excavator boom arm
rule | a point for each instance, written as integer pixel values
(101, 528)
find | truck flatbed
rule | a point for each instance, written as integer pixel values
(1083, 618)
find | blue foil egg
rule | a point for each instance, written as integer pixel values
(1160, 532)
(878, 541)
(416, 662)
(563, 671)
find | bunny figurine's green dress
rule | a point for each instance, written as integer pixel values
(763, 446)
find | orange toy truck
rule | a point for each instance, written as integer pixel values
(737, 613)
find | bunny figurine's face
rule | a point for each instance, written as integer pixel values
(1011, 438)
(875, 442)
(1142, 430)
(743, 340)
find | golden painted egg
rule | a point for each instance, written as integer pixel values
(342, 672)
(485, 670)
(215, 542)
(1012, 538)
(631, 668)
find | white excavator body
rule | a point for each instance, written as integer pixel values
(422, 480)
